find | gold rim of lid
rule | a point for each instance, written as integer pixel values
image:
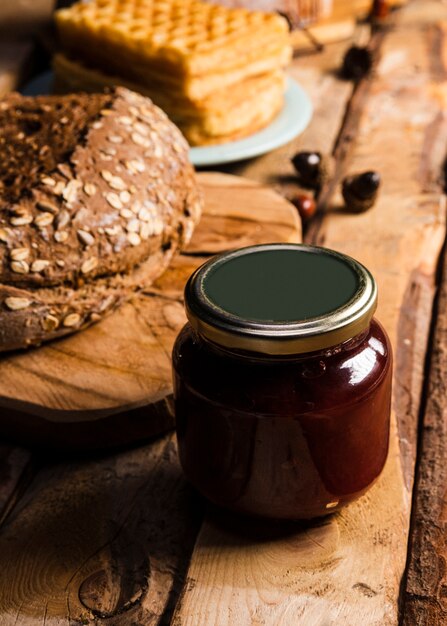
(280, 338)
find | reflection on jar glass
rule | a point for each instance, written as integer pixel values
(282, 409)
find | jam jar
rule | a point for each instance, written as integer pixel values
(282, 381)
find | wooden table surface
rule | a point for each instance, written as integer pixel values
(121, 539)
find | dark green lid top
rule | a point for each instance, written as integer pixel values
(281, 298)
(281, 285)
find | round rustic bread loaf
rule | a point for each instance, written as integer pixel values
(96, 195)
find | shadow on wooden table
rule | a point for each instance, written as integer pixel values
(105, 538)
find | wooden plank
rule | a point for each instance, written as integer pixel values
(424, 598)
(108, 385)
(103, 541)
(423, 601)
(13, 462)
(347, 569)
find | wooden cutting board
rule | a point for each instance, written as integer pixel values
(111, 383)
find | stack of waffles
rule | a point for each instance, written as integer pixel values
(218, 72)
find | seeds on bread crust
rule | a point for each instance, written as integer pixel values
(21, 220)
(158, 226)
(158, 153)
(20, 267)
(115, 139)
(85, 237)
(135, 166)
(47, 180)
(58, 189)
(60, 236)
(126, 213)
(65, 170)
(17, 304)
(47, 206)
(146, 230)
(73, 319)
(39, 265)
(19, 254)
(44, 219)
(117, 183)
(125, 196)
(70, 192)
(50, 323)
(145, 215)
(114, 200)
(97, 226)
(178, 147)
(89, 265)
(140, 140)
(90, 189)
(111, 231)
(141, 128)
(106, 175)
(62, 219)
(133, 238)
(133, 225)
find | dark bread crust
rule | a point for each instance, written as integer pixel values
(98, 217)
(54, 312)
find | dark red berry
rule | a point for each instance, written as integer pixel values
(306, 206)
(380, 9)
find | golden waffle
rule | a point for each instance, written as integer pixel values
(223, 116)
(245, 119)
(186, 45)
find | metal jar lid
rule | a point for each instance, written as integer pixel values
(280, 299)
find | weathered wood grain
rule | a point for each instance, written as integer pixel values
(120, 369)
(103, 541)
(424, 597)
(348, 568)
(13, 462)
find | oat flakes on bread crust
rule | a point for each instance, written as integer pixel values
(93, 190)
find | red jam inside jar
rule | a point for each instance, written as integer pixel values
(282, 381)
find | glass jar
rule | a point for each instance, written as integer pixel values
(282, 381)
